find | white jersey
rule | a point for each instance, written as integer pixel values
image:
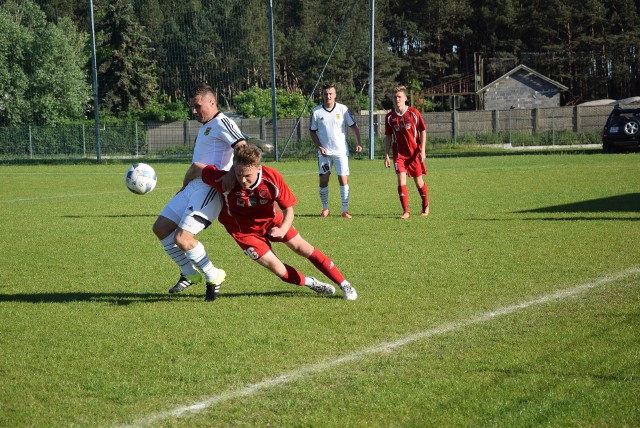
(197, 205)
(215, 140)
(331, 127)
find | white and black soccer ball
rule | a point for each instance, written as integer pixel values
(140, 178)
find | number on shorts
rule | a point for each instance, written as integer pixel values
(251, 252)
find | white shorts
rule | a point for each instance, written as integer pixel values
(195, 207)
(326, 163)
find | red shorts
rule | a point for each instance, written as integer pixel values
(256, 245)
(413, 166)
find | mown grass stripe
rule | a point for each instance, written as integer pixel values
(382, 348)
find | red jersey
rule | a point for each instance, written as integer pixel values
(406, 129)
(252, 210)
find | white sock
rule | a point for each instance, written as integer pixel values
(199, 258)
(324, 197)
(344, 195)
(177, 255)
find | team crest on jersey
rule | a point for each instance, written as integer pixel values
(263, 193)
(241, 202)
(407, 126)
(338, 116)
(206, 131)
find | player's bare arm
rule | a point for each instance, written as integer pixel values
(356, 132)
(387, 147)
(423, 144)
(287, 221)
(194, 171)
(316, 141)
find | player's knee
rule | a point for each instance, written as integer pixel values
(185, 240)
(160, 229)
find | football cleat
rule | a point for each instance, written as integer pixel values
(425, 211)
(348, 292)
(324, 213)
(405, 215)
(346, 215)
(213, 288)
(212, 292)
(321, 287)
(185, 281)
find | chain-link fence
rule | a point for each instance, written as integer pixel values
(509, 128)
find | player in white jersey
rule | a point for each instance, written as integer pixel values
(328, 130)
(197, 204)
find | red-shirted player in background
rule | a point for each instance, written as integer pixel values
(409, 133)
(250, 215)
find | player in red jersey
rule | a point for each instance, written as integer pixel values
(405, 126)
(250, 215)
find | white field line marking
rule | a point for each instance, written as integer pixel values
(381, 348)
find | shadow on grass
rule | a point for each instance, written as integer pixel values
(129, 298)
(367, 215)
(110, 216)
(621, 203)
(572, 218)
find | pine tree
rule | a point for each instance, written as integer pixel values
(127, 78)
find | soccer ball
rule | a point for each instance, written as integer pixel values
(140, 178)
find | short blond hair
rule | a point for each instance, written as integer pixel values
(400, 88)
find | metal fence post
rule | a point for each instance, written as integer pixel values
(30, 143)
(510, 110)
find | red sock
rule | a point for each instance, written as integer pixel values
(293, 276)
(424, 194)
(404, 198)
(326, 266)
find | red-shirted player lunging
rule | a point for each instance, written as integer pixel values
(409, 133)
(250, 215)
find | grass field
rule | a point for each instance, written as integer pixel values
(515, 303)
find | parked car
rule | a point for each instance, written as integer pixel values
(622, 130)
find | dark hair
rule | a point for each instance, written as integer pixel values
(202, 89)
(328, 86)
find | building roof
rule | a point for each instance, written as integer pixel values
(529, 72)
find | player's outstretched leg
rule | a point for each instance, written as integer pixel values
(319, 287)
(188, 274)
(327, 267)
(348, 292)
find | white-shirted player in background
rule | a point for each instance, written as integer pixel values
(197, 204)
(328, 128)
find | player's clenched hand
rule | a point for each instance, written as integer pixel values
(387, 162)
(277, 232)
(228, 181)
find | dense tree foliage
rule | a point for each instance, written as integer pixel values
(256, 102)
(126, 77)
(590, 46)
(42, 67)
